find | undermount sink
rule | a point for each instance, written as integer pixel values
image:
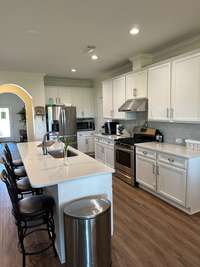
(59, 153)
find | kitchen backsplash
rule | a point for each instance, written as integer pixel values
(172, 131)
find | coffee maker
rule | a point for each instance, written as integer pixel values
(110, 127)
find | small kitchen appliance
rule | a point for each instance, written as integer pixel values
(85, 124)
(110, 127)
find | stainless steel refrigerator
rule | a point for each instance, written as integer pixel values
(62, 120)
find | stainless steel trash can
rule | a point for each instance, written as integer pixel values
(87, 224)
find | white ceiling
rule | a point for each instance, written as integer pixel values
(49, 36)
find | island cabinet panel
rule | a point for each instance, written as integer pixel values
(171, 183)
(145, 172)
(159, 84)
(186, 89)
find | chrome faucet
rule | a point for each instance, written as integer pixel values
(44, 147)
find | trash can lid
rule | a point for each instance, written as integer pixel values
(87, 207)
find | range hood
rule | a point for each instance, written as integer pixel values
(135, 105)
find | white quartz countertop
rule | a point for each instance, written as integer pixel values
(44, 170)
(172, 149)
(111, 137)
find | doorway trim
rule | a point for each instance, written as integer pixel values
(28, 102)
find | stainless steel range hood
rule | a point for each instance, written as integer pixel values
(135, 105)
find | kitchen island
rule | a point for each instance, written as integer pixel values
(81, 176)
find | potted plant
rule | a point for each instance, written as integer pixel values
(67, 141)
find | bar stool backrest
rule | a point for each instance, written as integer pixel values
(13, 193)
(9, 170)
(8, 155)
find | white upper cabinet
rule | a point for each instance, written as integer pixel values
(186, 89)
(159, 83)
(52, 94)
(81, 98)
(136, 84)
(119, 87)
(107, 98)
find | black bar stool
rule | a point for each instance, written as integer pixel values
(17, 162)
(18, 171)
(23, 184)
(33, 213)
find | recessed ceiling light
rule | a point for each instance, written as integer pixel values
(32, 31)
(135, 30)
(94, 57)
(73, 70)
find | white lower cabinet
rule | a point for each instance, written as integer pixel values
(99, 152)
(109, 156)
(146, 172)
(165, 179)
(173, 178)
(86, 141)
(104, 151)
(171, 183)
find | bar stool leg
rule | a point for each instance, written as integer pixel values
(21, 243)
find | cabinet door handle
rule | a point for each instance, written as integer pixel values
(134, 92)
(167, 112)
(171, 113)
(153, 168)
(157, 170)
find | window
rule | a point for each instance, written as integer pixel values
(4, 123)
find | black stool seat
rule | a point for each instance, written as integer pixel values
(24, 184)
(20, 172)
(30, 206)
(17, 163)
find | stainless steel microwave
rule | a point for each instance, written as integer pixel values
(85, 124)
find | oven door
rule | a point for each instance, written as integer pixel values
(124, 162)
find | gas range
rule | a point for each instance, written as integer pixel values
(125, 165)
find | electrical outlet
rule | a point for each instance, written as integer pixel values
(179, 141)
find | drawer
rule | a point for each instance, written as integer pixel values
(146, 153)
(172, 160)
(85, 133)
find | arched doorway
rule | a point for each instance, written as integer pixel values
(27, 99)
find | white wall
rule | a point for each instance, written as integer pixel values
(15, 104)
(33, 83)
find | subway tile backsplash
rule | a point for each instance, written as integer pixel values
(172, 131)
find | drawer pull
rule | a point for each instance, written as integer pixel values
(170, 160)
(153, 167)
(157, 170)
(144, 152)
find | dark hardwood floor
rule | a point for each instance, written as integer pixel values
(147, 233)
